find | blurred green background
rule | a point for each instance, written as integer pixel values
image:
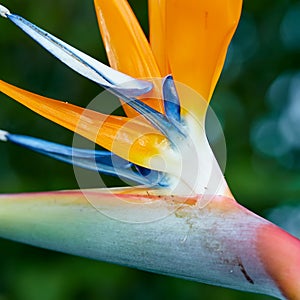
(257, 101)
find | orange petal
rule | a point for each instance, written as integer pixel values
(131, 139)
(157, 19)
(126, 45)
(198, 35)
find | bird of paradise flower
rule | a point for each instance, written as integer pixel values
(162, 146)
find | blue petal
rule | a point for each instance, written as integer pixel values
(100, 161)
(82, 63)
(155, 177)
(174, 133)
(171, 100)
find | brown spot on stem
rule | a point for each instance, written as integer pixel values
(243, 270)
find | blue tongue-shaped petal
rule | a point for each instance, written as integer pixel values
(171, 100)
(156, 178)
(80, 62)
(100, 161)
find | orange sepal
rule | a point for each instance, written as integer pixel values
(198, 34)
(157, 20)
(131, 139)
(127, 47)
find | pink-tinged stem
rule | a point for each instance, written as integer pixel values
(222, 244)
(280, 253)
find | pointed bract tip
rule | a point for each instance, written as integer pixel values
(3, 135)
(4, 11)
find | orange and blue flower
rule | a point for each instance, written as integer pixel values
(182, 209)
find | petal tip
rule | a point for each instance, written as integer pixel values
(4, 12)
(3, 135)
